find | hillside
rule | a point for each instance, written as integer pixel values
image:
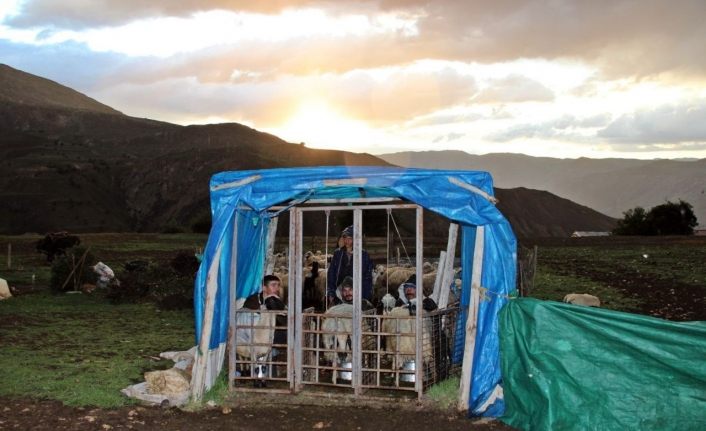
(71, 163)
(610, 186)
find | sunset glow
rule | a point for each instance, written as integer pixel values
(593, 80)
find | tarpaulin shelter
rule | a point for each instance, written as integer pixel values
(240, 206)
(583, 368)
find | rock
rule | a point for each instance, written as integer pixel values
(167, 382)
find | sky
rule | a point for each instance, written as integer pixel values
(600, 78)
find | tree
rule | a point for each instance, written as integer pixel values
(670, 218)
(634, 222)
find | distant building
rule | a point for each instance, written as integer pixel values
(700, 231)
(581, 234)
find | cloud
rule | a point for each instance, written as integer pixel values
(58, 63)
(669, 124)
(566, 127)
(80, 14)
(623, 37)
(514, 89)
(448, 138)
(399, 96)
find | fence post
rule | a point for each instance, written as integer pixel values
(9, 256)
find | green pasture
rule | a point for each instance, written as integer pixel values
(81, 349)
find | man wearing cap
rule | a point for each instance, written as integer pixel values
(344, 295)
(408, 291)
(342, 267)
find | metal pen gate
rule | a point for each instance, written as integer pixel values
(354, 352)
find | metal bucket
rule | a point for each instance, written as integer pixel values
(408, 374)
(346, 376)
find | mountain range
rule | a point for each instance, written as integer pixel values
(610, 186)
(72, 163)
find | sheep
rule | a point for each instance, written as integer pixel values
(582, 299)
(403, 347)
(254, 338)
(339, 326)
(338, 322)
(4, 290)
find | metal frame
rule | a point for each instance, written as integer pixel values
(296, 335)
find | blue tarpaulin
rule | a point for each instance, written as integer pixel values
(464, 197)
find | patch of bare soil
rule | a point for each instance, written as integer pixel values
(25, 414)
(666, 299)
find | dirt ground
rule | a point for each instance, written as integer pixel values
(27, 414)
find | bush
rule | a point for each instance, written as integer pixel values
(667, 219)
(62, 267)
(171, 285)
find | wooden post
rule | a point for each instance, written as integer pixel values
(447, 278)
(472, 322)
(439, 275)
(232, 339)
(73, 270)
(9, 256)
(294, 314)
(419, 332)
(357, 300)
(270, 257)
(198, 380)
(399, 259)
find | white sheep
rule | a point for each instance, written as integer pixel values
(404, 347)
(254, 337)
(582, 299)
(4, 290)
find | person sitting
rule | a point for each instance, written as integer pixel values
(342, 267)
(408, 292)
(344, 295)
(269, 299)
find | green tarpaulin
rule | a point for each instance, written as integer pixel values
(568, 367)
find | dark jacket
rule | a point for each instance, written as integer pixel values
(256, 302)
(342, 266)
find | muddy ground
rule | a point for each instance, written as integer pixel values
(27, 414)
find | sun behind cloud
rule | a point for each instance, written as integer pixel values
(319, 125)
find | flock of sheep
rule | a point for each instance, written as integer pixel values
(386, 279)
(336, 322)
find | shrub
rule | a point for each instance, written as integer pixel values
(170, 285)
(670, 218)
(62, 267)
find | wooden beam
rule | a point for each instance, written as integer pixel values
(232, 283)
(294, 367)
(270, 256)
(198, 384)
(472, 321)
(357, 300)
(448, 274)
(419, 358)
(439, 275)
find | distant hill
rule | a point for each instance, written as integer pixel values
(69, 162)
(611, 186)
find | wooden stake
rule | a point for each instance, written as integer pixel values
(73, 269)
(198, 381)
(447, 278)
(472, 322)
(9, 256)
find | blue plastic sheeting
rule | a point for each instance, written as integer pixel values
(247, 195)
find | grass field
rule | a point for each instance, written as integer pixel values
(81, 349)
